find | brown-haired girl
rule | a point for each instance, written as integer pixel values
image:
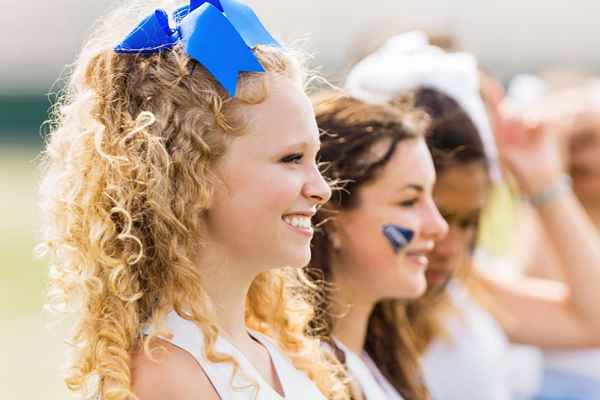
(379, 156)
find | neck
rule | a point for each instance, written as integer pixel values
(227, 284)
(352, 312)
(593, 212)
(351, 328)
(590, 201)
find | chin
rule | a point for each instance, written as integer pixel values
(419, 286)
(412, 287)
(296, 259)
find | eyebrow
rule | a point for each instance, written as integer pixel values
(413, 186)
(303, 144)
(453, 213)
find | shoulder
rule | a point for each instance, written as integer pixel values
(173, 374)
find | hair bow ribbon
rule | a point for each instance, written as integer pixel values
(219, 34)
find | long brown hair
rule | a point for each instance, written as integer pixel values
(350, 129)
(453, 140)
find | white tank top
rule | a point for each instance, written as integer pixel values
(477, 361)
(585, 362)
(296, 384)
(372, 382)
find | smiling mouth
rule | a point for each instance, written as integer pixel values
(437, 281)
(299, 223)
(437, 276)
(418, 258)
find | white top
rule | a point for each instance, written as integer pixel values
(296, 384)
(372, 382)
(584, 362)
(477, 361)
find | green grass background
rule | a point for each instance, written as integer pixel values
(31, 342)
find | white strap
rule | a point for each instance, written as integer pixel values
(296, 384)
(188, 337)
(369, 385)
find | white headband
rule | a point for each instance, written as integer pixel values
(407, 62)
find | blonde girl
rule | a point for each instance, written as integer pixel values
(172, 196)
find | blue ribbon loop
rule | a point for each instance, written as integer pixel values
(151, 35)
(197, 3)
(219, 34)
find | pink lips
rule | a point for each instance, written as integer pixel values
(419, 256)
(303, 231)
(309, 231)
(418, 259)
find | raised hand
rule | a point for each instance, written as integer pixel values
(531, 150)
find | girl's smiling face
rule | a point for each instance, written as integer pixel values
(270, 185)
(400, 194)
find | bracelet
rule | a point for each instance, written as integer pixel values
(560, 186)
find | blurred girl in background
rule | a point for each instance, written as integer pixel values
(463, 333)
(378, 154)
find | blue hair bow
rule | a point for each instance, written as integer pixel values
(219, 34)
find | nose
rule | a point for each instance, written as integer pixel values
(448, 246)
(316, 187)
(434, 225)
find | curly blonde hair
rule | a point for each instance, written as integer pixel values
(126, 174)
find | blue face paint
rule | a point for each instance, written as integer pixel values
(397, 236)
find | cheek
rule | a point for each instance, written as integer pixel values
(416, 219)
(280, 192)
(366, 229)
(593, 156)
(454, 246)
(243, 204)
(266, 191)
(365, 245)
(370, 260)
(586, 155)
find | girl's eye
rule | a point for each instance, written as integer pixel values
(295, 158)
(469, 224)
(409, 203)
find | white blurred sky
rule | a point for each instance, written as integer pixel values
(41, 36)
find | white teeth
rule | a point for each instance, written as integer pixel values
(298, 221)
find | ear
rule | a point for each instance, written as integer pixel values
(335, 240)
(333, 227)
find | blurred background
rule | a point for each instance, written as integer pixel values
(40, 39)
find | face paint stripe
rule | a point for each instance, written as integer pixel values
(397, 236)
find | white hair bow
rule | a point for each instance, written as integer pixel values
(407, 62)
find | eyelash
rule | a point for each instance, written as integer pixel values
(408, 203)
(293, 158)
(463, 224)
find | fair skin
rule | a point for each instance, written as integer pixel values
(550, 314)
(542, 313)
(365, 268)
(270, 180)
(581, 150)
(574, 115)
